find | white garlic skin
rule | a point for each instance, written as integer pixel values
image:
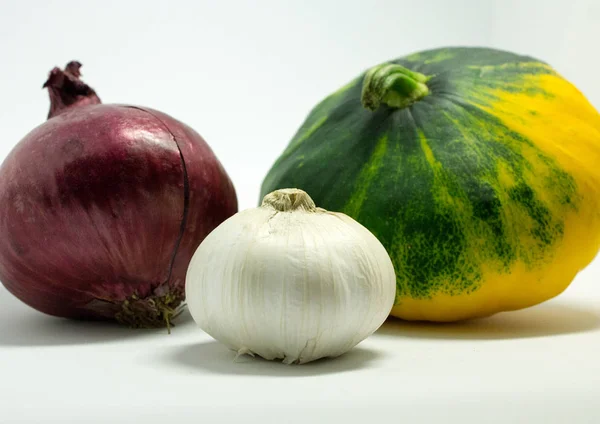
(296, 285)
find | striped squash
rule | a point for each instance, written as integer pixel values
(478, 169)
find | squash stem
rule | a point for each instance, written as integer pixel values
(393, 85)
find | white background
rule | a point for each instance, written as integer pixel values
(244, 74)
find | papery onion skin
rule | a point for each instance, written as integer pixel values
(295, 285)
(102, 207)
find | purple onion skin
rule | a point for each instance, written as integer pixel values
(102, 208)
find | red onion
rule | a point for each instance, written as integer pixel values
(102, 207)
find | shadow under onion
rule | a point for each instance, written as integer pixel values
(24, 327)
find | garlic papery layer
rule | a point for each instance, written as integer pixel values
(290, 281)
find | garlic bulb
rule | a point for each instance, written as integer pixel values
(290, 281)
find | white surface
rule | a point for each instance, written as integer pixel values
(538, 365)
(244, 74)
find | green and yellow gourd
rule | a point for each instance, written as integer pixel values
(478, 170)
